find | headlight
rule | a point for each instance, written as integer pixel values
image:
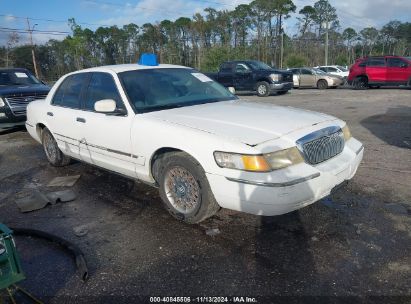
(2, 104)
(275, 77)
(346, 132)
(284, 158)
(255, 163)
(259, 163)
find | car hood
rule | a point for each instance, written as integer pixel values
(19, 90)
(251, 123)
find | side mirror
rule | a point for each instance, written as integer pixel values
(232, 90)
(105, 106)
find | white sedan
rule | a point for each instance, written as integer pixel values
(176, 129)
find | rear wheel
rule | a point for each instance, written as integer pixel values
(184, 188)
(53, 153)
(322, 84)
(360, 83)
(263, 89)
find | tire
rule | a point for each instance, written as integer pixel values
(360, 83)
(282, 92)
(184, 188)
(322, 84)
(52, 151)
(263, 89)
(409, 84)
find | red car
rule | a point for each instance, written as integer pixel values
(379, 71)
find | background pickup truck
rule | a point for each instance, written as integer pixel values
(255, 76)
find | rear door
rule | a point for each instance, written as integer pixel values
(225, 75)
(63, 111)
(106, 140)
(397, 70)
(376, 70)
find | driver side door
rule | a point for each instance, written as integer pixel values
(307, 78)
(106, 140)
(243, 77)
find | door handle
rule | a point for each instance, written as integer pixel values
(79, 119)
(50, 114)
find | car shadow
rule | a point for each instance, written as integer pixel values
(393, 127)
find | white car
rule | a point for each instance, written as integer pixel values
(176, 129)
(334, 70)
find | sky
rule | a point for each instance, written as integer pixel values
(94, 13)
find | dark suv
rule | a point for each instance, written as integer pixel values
(380, 71)
(18, 87)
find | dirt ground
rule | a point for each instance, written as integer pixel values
(352, 245)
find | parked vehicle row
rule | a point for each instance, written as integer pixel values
(178, 130)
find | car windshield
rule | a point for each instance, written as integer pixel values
(258, 65)
(17, 77)
(159, 89)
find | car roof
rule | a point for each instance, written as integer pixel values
(118, 68)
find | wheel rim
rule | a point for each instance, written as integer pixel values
(182, 190)
(50, 147)
(262, 89)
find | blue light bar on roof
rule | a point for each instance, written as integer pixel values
(148, 59)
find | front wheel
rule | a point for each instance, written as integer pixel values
(322, 84)
(360, 83)
(263, 89)
(53, 153)
(184, 188)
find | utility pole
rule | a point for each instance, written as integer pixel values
(32, 47)
(282, 48)
(326, 42)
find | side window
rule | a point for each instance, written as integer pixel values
(305, 72)
(102, 86)
(396, 62)
(324, 69)
(240, 67)
(69, 93)
(376, 62)
(331, 69)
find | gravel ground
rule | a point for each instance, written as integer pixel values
(352, 245)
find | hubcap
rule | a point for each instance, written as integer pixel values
(182, 190)
(262, 89)
(50, 147)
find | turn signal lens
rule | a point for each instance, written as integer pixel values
(346, 132)
(255, 163)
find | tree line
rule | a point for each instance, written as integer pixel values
(250, 31)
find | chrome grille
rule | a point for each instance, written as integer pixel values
(18, 104)
(322, 145)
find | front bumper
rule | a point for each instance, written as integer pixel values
(284, 86)
(9, 120)
(289, 189)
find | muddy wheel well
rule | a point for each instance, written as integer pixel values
(39, 129)
(156, 160)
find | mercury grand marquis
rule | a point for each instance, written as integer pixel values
(205, 149)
